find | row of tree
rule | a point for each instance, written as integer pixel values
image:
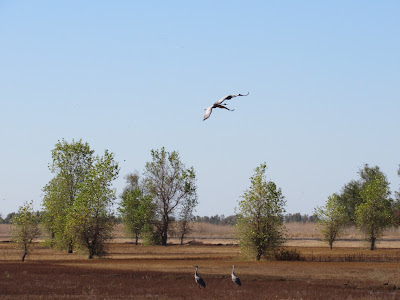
(78, 203)
(365, 203)
(78, 200)
(215, 220)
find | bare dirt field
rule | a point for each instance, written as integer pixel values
(157, 272)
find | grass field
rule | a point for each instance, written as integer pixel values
(156, 272)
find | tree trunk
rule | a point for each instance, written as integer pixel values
(23, 256)
(331, 245)
(258, 256)
(136, 239)
(182, 236)
(164, 238)
(70, 247)
(91, 251)
(373, 243)
(164, 235)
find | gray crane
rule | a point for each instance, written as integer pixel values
(235, 279)
(200, 282)
(219, 104)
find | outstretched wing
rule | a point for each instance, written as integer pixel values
(223, 99)
(228, 97)
(207, 113)
(222, 106)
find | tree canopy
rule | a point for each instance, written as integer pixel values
(260, 224)
(375, 213)
(90, 220)
(170, 184)
(332, 218)
(71, 163)
(77, 200)
(25, 228)
(136, 208)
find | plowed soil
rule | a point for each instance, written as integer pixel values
(156, 272)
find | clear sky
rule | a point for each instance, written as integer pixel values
(131, 76)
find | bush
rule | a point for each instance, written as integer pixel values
(151, 237)
(288, 255)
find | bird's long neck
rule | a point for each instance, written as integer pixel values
(195, 272)
(233, 270)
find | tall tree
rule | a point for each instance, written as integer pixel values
(169, 183)
(350, 195)
(331, 219)
(90, 220)
(71, 164)
(25, 228)
(375, 214)
(136, 208)
(260, 223)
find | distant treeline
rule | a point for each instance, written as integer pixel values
(299, 218)
(217, 219)
(231, 220)
(8, 218)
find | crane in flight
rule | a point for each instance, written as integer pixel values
(219, 104)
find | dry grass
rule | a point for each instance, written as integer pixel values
(310, 230)
(5, 232)
(299, 234)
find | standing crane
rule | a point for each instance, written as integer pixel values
(200, 282)
(219, 104)
(235, 279)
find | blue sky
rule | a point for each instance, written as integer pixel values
(131, 76)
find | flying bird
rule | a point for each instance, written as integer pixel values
(219, 104)
(200, 282)
(235, 279)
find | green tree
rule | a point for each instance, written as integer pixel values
(350, 198)
(90, 219)
(375, 214)
(25, 228)
(186, 218)
(55, 212)
(350, 195)
(71, 163)
(136, 208)
(169, 183)
(331, 219)
(260, 224)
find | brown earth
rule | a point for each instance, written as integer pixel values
(137, 272)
